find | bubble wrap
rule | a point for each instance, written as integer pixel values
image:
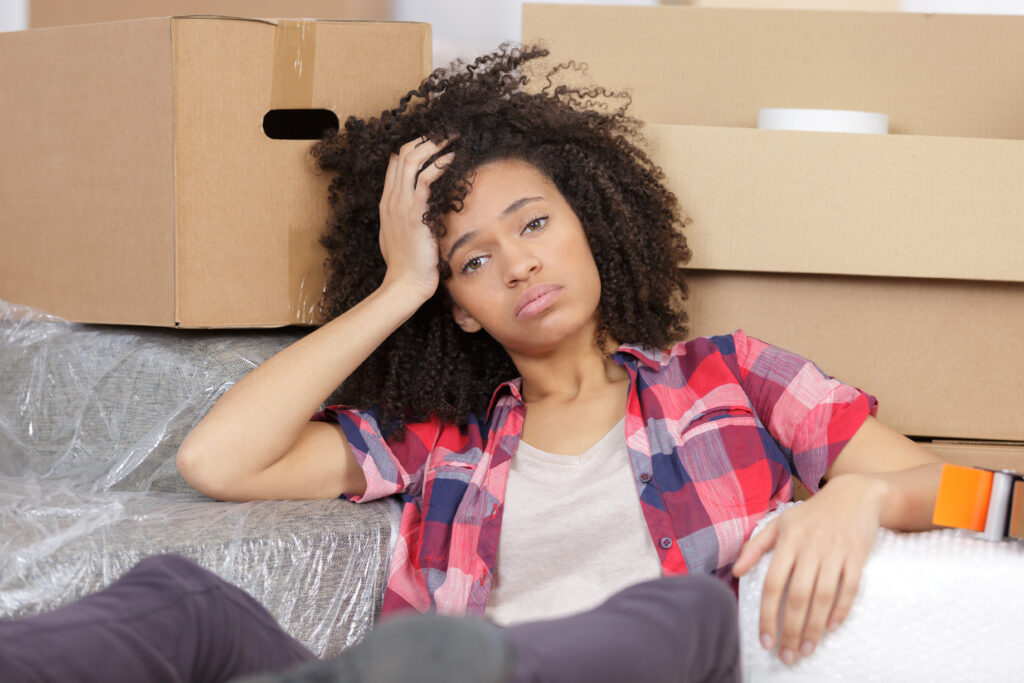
(933, 606)
(90, 420)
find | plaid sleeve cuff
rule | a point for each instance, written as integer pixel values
(384, 472)
(826, 431)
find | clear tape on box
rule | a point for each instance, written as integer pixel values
(940, 605)
(90, 420)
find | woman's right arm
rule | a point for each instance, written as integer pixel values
(257, 442)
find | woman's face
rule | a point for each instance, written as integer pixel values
(521, 266)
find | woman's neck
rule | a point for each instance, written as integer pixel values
(567, 372)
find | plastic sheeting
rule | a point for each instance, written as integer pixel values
(939, 605)
(90, 420)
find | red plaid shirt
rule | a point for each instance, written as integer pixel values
(716, 428)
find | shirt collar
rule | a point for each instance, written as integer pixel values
(653, 359)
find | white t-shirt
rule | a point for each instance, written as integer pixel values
(572, 532)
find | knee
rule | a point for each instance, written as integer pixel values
(171, 569)
(678, 599)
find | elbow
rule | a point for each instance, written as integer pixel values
(194, 465)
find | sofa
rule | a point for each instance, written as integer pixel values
(90, 420)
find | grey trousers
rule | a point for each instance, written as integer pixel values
(170, 621)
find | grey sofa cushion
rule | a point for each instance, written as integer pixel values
(108, 406)
(90, 420)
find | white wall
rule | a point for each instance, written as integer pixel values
(466, 28)
(13, 15)
(964, 6)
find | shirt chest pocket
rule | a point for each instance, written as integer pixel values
(723, 451)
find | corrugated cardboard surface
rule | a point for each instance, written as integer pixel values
(44, 13)
(992, 456)
(86, 199)
(943, 357)
(146, 192)
(846, 5)
(887, 205)
(933, 214)
(932, 74)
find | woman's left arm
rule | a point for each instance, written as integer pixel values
(879, 479)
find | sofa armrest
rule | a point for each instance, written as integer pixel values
(318, 566)
(939, 605)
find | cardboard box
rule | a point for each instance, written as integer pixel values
(847, 5)
(44, 13)
(933, 74)
(137, 183)
(894, 262)
(993, 456)
(942, 356)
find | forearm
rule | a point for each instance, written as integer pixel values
(903, 475)
(256, 421)
(906, 497)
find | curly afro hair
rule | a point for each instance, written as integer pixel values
(583, 140)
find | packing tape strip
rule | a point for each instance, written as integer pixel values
(294, 62)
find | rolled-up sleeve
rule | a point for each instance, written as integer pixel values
(391, 466)
(810, 414)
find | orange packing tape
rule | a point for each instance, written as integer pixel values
(963, 496)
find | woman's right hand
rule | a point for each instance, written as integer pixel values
(408, 246)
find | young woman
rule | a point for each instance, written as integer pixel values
(505, 325)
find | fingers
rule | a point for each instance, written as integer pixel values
(806, 588)
(818, 609)
(756, 547)
(775, 582)
(406, 242)
(412, 158)
(847, 592)
(805, 593)
(434, 170)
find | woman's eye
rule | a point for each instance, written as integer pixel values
(473, 264)
(536, 224)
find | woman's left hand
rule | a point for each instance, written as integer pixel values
(820, 548)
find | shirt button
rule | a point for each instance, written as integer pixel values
(666, 542)
(645, 477)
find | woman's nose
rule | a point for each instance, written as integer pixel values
(521, 265)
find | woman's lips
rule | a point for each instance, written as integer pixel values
(536, 300)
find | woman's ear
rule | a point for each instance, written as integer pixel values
(464, 320)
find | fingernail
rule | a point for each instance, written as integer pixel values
(806, 648)
(767, 642)
(788, 656)
(833, 625)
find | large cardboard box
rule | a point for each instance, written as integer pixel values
(137, 184)
(848, 5)
(895, 262)
(44, 13)
(993, 456)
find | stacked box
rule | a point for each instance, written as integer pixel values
(895, 262)
(140, 183)
(44, 13)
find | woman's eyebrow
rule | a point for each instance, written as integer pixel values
(518, 204)
(510, 209)
(458, 243)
